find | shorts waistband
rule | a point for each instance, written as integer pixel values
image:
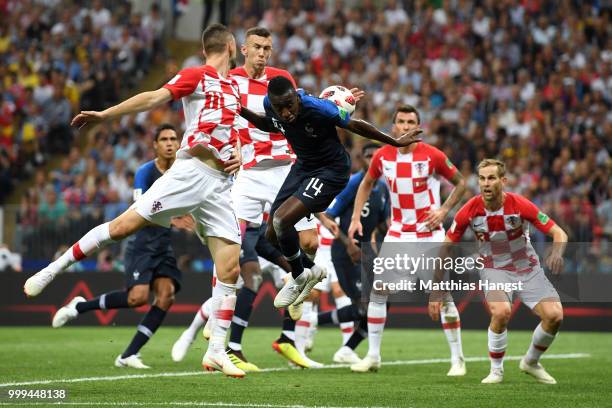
(205, 168)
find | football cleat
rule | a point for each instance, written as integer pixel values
(289, 351)
(536, 371)
(291, 289)
(316, 275)
(457, 369)
(237, 358)
(132, 361)
(346, 355)
(311, 363)
(219, 361)
(181, 346)
(207, 330)
(295, 311)
(495, 376)
(38, 282)
(368, 363)
(67, 313)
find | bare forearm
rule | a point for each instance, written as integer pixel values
(369, 131)
(138, 103)
(455, 196)
(259, 121)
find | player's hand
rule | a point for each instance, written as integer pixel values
(233, 164)
(354, 252)
(434, 309)
(555, 263)
(355, 227)
(184, 222)
(410, 137)
(87, 117)
(435, 218)
(357, 94)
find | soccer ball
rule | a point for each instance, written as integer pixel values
(341, 96)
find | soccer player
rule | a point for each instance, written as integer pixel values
(198, 182)
(500, 220)
(319, 174)
(149, 262)
(345, 253)
(411, 174)
(267, 159)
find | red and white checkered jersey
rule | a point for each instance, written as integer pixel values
(503, 234)
(211, 104)
(326, 238)
(413, 186)
(258, 145)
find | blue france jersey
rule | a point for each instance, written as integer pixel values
(313, 134)
(154, 240)
(375, 210)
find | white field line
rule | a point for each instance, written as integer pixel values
(267, 370)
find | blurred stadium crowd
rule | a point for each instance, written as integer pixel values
(528, 81)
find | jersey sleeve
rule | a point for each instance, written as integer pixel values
(460, 223)
(346, 197)
(442, 164)
(330, 111)
(185, 82)
(141, 181)
(530, 212)
(375, 169)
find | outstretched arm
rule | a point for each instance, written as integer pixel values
(261, 122)
(365, 129)
(137, 103)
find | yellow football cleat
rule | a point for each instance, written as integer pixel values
(240, 362)
(289, 351)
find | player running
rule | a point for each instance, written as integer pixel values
(196, 183)
(319, 174)
(149, 262)
(346, 254)
(500, 221)
(416, 216)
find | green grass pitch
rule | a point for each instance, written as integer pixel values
(582, 368)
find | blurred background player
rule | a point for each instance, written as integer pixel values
(197, 183)
(319, 174)
(411, 174)
(346, 254)
(149, 262)
(504, 218)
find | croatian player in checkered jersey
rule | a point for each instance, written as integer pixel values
(198, 183)
(266, 160)
(416, 216)
(500, 220)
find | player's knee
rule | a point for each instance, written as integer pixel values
(337, 291)
(554, 318)
(137, 298)
(165, 298)
(279, 224)
(309, 243)
(271, 235)
(501, 313)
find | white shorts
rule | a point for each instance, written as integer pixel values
(323, 258)
(191, 187)
(535, 286)
(254, 192)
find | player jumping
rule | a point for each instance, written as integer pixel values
(500, 221)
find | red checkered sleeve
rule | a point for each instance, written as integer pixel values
(442, 164)
(375, 170)
(530, 212)
(460, 223)
(185, 82)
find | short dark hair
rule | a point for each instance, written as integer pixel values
(258, 31)
(407, 109)
(161, 128)
(215, 38)
(279, 86)
(369, 146)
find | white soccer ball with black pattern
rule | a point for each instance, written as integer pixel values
(341, 96)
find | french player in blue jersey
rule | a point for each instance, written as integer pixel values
(320, 173)
(346, 253)
(149, 262)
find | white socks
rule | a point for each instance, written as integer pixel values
(497, 348)
(449, 316)
(223, 303)
(377, 315)
(95, 239)
(200, 318)
(302, 326)
(539, 343)
(346, 327)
